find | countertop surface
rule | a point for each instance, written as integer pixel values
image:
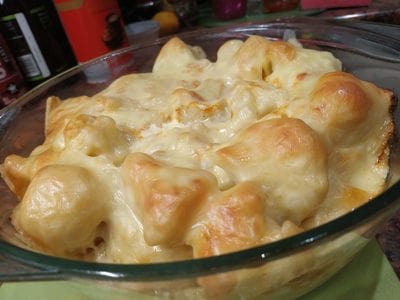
(389, 240)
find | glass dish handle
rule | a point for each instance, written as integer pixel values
(12, 271)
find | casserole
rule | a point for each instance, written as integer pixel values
(318, 252)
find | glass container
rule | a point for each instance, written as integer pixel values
(283, 269)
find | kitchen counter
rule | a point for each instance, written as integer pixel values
(389, 240)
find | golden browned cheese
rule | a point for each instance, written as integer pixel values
(234, 220)
(62, 199)
(200, 158)
(165, 197)
(269, 152)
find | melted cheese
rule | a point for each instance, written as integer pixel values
(200, 158)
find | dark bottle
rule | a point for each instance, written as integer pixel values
(12, 84)
(36, 37)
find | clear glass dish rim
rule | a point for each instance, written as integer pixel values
(226, 262)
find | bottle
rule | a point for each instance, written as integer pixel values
(95, 28)
(139, 10)
(12, 84)
(36, 38)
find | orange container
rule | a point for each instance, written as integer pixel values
(93, 27)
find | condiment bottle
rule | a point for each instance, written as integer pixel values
(95, 28)
(35, 36)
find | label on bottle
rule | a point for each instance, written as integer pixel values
(33, 45)
(54, 38)
(37, 39)
(11, 82)
(25, 46)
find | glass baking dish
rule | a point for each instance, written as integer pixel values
(284, 269)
